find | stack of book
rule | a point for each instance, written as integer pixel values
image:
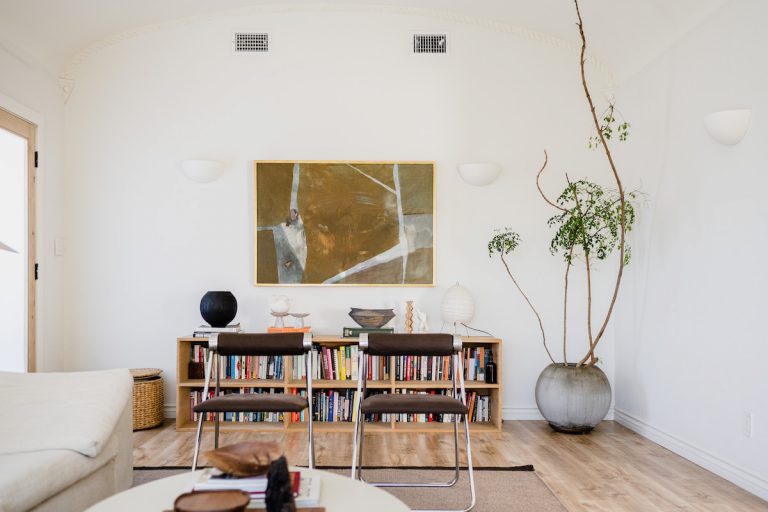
(306, 489)
(204, 331)
(354, 332)
(289, 329)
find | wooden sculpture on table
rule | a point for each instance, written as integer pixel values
(245, 459)
(409, 317)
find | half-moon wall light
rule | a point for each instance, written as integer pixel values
(202, 171)
(728, 126)
(479, 174)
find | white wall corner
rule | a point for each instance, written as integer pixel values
(532, 413)
(739, 476)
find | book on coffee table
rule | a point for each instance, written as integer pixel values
(306, 489)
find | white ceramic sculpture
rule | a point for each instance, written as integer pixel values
(421, 318)
(279, 304)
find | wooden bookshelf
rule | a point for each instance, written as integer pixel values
(184, 385)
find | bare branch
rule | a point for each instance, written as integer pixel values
(565, 308)
(622, 224)
(538, 185)
(538, 317)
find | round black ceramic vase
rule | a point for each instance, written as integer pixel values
(218, 308)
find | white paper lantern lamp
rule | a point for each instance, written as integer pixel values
(458, 306)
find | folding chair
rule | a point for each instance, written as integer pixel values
(417, 345)
(242, 344)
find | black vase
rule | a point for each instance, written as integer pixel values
(218, 308)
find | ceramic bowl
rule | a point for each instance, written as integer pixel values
(371, 318)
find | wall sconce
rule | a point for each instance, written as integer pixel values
(4, 247)
(728, 126)
(202, 171)
(479, 174)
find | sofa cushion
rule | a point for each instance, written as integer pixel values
(52, 411)
(28, 479)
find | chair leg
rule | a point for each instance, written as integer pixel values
(198, 436)
(471, 475)
(216, 431)
(355, 445)
(311, 442)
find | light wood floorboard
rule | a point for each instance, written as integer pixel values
(612, 469)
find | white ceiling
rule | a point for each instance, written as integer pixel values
(625, 33)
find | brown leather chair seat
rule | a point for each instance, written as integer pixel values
(249, 402)
(412, 404)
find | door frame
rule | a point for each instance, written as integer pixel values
(28, 130)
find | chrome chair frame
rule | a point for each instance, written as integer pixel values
(457, 368)
(212, 355)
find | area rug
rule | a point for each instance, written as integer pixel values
(498, 489)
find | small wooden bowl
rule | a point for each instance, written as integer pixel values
(212, 501)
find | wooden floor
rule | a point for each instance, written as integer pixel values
(612, 469)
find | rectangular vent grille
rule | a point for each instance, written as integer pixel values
(250, 42)
(430, 43)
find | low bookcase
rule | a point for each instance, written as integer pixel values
(392, 378)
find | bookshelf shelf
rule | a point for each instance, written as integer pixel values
(287, 384)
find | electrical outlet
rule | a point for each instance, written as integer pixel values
(747, 427)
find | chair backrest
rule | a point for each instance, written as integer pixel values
(410, 344)
(263, 344)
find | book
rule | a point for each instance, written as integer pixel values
(354, 332)
(308, 495)
(204, 330)
(215, 480)
(289, 329)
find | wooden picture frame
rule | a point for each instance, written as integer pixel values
(345, 223)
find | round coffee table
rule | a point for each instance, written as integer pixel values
(337, 494)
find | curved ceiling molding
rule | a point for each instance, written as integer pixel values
(454, 17)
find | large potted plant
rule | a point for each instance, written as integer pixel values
(590, 223)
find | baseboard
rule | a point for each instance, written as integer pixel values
(532, 413)
(170, 410)
(741, 477)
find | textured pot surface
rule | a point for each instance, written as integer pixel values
(573, 399)
(218, 308)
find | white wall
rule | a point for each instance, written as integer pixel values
(691, 344)
(145, 244)
(30, 91)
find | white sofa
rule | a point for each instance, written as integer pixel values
(65, 439)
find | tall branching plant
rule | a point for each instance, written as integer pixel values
(590, 224)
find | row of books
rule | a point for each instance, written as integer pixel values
(306, 489)
(421, 368)
(340, 406)
(195, 397)
(243, 367)
(339, 363)
(479, 408)
(334, 406)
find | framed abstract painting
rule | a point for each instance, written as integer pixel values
(344, 223)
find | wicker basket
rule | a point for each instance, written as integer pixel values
(147, 398)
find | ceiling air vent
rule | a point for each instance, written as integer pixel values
(250, 42)
(430, 43)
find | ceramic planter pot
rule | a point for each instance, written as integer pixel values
(573, 399)
(218, 308)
